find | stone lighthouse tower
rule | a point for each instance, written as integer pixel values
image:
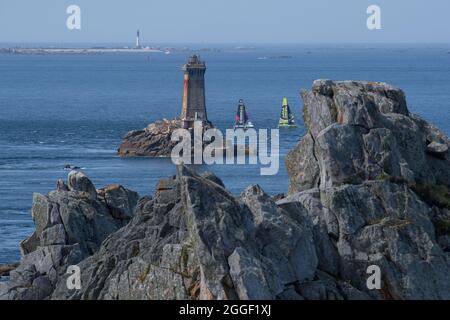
(194, 107)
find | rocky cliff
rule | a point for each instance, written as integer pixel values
(375, 181)
(369, 185)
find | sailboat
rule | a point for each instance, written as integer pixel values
(242, 121)
(286, 117)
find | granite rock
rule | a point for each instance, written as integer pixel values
(71, 223)
(369, 186)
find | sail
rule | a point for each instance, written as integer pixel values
(286, 116)
(285, 110)
(241, 115)
(242, 120)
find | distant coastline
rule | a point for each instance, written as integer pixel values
(100, 50)
(79, 50)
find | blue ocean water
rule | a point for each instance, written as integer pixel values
(74, 109)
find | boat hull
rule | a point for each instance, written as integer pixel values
(287, 125)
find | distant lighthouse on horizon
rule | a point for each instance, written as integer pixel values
(138, 40)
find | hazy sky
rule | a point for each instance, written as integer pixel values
(225, 21)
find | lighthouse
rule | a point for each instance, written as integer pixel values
(138, 40)
(193, 106)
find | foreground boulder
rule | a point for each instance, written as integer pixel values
(194, 240)
(71, 223)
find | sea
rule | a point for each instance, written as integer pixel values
(73, 109)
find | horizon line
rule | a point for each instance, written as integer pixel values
(231, 43)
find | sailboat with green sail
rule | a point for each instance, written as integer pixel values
(286, 117)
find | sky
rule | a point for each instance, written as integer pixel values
(225, 21)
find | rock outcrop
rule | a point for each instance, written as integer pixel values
(184, 245)
(71, 223)
(153, 141)
(375, 181)
(5, 269)
(369, 187)
(360, 131)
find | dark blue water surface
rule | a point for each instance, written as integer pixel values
(74, 109)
